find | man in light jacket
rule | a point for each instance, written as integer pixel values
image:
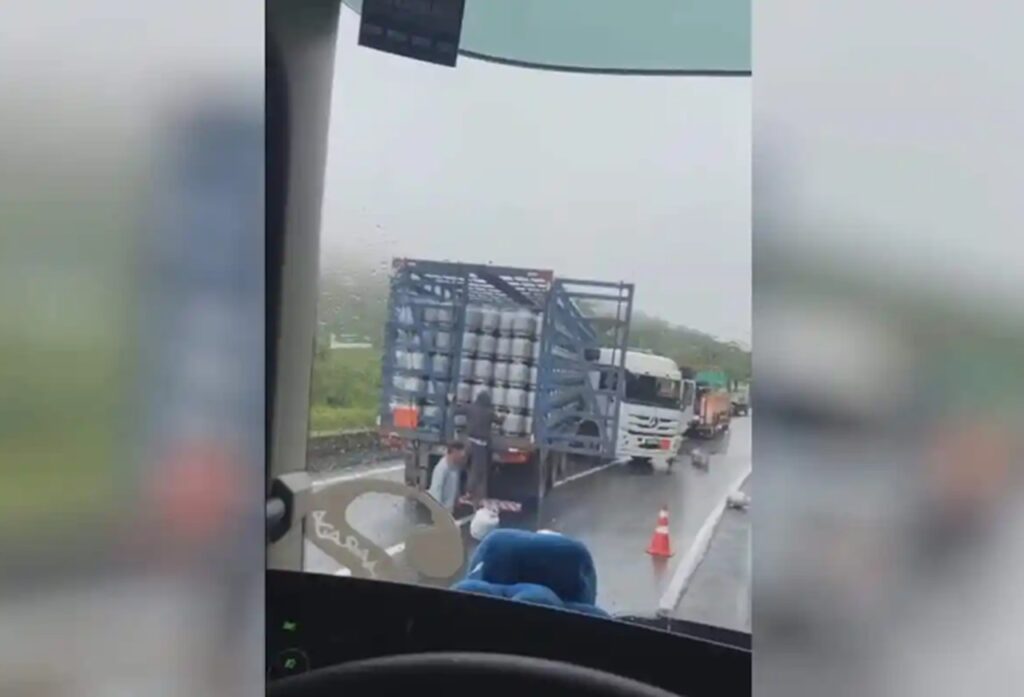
(444, 482)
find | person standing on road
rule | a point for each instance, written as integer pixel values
(444, 482)
(480, 417)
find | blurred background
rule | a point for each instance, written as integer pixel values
(131, 348)
(889, 327)
(887, 314)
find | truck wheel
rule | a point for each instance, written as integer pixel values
(587, 428)
(554, 470)
(411, 470)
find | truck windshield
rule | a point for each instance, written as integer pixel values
(652, 391)
(461, 260)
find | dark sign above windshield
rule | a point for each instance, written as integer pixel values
(426, 30)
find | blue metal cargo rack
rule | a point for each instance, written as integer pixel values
(429, 299)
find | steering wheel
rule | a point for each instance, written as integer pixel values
(459, 675)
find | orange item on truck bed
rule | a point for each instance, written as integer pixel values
(406, 417)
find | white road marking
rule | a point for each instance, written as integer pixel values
(321, 483)
(587, 473)
(698, 549)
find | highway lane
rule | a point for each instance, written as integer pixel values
(720, 589)
(613, 510)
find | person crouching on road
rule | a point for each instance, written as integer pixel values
(444, 482)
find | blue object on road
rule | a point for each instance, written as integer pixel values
(539, 568)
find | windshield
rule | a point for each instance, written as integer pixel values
(652, 391)
(456, 201)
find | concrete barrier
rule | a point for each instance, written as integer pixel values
(330, 452)
(343, 442)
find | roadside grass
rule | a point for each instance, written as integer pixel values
(345, 390)
(324, 419)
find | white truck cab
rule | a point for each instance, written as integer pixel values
(652, 417)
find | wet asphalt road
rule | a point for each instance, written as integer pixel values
(719, 591)
(613, 511)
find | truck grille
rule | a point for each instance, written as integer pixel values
(646, 426)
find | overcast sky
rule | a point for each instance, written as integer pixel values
(642, 179)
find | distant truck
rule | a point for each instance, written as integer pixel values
(741, 400)
(652, 416)
(713, 411)
(534, 341)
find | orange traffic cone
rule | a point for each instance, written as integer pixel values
(660, 546)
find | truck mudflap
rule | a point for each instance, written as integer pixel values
(518, 487)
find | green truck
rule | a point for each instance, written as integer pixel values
(715, 379)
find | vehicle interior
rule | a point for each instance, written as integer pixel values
(334, 635)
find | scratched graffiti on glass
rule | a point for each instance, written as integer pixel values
(434, 550)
